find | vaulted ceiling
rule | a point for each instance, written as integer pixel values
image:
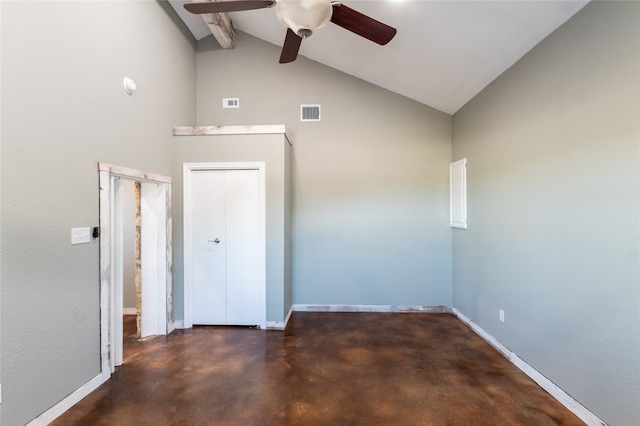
(445, 52)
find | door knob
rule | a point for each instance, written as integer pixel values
(217, 240)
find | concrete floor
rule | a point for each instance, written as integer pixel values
(326, 369)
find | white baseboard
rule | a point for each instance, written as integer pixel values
(57, 410)
(565, 399)
(129, 311)
(280, 325)
(179, 325)
(372, 308)
(275, 325)
(288, 317)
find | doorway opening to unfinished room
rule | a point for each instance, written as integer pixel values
(153, 258)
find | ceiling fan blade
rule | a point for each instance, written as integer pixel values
(227, 6)
(362, 25)
(290, 48)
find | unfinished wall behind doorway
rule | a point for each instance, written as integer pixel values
(129, 294)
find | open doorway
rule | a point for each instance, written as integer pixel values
(152, 257)
(131, 294)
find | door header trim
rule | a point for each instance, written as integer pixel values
(132, 174)
(253, 165)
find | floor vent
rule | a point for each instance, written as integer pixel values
(309, 112)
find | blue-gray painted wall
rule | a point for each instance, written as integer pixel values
(554, 209)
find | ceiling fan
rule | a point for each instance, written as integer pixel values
(302, 18)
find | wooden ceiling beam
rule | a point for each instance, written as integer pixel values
(222, 29)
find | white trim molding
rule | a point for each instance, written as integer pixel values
(373, 308)
(563, 398)
(57, 410)
(277, 325)
(458, 194)
(266, 129)
(132, 174)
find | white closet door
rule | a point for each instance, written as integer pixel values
(243, 228)
(225, 247)
(208, 263)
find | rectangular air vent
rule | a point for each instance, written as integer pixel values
(309, 112)
(230, 103)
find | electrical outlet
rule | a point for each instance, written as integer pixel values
(501, 312)
(80, 236)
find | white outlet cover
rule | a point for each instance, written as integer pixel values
(80, 236)
(501, 313)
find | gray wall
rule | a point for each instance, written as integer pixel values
(370, 196)
(63, 110)
(554, 196)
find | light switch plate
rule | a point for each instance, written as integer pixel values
(80, 236)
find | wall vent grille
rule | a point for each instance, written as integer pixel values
(230, 103)
(309, 112)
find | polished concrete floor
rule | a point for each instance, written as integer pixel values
(326, 369)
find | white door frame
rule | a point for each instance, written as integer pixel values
(156, 257)
(187, 169)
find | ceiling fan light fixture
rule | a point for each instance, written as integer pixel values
(303, 17)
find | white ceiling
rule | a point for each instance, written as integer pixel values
(445, 52)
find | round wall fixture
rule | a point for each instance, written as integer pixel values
(129, 85)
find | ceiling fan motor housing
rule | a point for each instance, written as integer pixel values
(303, 17)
